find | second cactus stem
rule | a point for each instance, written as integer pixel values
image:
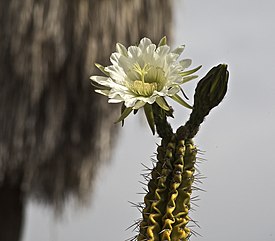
(167, 203)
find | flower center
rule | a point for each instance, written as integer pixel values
(147, 80)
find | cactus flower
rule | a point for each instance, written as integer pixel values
(142, 75)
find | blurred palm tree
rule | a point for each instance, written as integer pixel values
(55, 131)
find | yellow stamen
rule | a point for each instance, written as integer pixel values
(149, 79)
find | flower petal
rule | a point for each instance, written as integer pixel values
(101, 68)
(130, 102)
(144, 43)
(171, 58)
(163, 51)
(103, 92)
(162, 103)
(102, 80)
(188, 78)
(114, 101)
(178, 99)
(115, 58)
(178, 50)
(173, 89)
(150, 117)
(149, 55)
(134, 52)
(121, 49)
(116, 73)
(139, 104)
(163, 41)
(190, 71)
(124, 114)
(185, 63)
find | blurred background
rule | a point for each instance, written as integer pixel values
(236, 138)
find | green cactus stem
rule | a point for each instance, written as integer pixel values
(176, 217)
(167, 203)
(156, 198)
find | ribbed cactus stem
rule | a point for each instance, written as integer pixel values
(156, 198)
(167, 204)
(176, 217)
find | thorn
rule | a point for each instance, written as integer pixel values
(195, 198)
(195, 188)
(141, 193)
(135, 225)
(195, 222)
(146, 167)
(201, 159)
(145, 184)
(132, 239)
(192, 209)
(196, 234)
(201, 152)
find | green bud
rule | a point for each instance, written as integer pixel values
(212, 88)
(209, 92)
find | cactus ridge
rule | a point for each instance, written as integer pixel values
(156, 198)
(167, 203)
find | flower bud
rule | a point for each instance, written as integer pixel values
(211, 89)
(209, 92)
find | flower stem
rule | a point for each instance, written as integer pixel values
(163, 128)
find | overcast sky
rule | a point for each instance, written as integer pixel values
(237, 137)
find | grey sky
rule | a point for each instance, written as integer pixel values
(237, 137)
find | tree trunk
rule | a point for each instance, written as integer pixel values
(11, 211)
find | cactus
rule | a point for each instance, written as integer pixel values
(141, 77)
(165, 216)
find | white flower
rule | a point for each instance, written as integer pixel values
(144, 74)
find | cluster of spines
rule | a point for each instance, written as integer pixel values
(167, 203)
